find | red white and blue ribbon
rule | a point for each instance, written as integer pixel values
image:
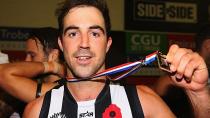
(127, 68)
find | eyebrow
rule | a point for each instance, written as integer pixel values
(97, 27)
(91, 27)
(70, 27)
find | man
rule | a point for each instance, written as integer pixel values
(84, 39)
(41, 46)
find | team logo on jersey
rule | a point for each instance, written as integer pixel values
(113, 111)
(86, 115)
(58, 115)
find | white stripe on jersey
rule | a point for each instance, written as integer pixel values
(118, 96)
(86, 109)
(56, 101)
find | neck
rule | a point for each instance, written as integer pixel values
(86, 90)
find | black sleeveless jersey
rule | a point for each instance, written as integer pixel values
(114, 101)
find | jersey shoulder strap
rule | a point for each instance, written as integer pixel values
(134, 101)
(52, 104)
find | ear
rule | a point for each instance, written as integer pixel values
(54, 55)
(60, 44)
(109, 43)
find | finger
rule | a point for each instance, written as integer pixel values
(178, 79)
(178, 57)
(189, 71)
(185, 59)
(194, 65)
(175, 79)
(170, 56)
(172, 50)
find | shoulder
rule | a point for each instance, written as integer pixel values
(152, 104)
(48, 86)
(33, 108)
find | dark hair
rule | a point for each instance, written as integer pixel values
(47, 36)
(101, 5)
(202, 35)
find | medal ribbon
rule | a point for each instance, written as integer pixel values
(127, 68)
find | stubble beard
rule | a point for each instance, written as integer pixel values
(85, 71)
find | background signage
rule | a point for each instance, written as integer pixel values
(165, 11)
(14, 34)
(12, 38)
(145, 42)
(165, 15)
(12, 42)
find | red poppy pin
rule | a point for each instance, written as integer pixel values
(113, 111)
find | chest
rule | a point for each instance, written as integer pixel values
(111, 102)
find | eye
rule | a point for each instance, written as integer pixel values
(72, 34)
(95, 34)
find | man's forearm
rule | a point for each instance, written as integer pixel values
(200, 102)
(27, 69)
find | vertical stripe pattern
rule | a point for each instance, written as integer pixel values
(62, 104)
(56, 101)
(120, 99)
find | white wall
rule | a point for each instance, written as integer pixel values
(38, 13)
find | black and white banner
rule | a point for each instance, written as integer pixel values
(165, 15)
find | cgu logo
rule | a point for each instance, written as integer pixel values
(145, 39)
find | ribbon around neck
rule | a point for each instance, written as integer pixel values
(127, 68)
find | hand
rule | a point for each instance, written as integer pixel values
(55, 68)
(61, 69)
(188, 67)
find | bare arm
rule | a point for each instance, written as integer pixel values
(33, 109)
(15, 78)
(200, 102)
(153, 106)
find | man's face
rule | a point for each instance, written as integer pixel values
(84, 41)
(34, 51)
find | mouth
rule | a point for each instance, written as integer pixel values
(83, 60)
(83, 56)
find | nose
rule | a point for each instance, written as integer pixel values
(85, 42)
(28, 58)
